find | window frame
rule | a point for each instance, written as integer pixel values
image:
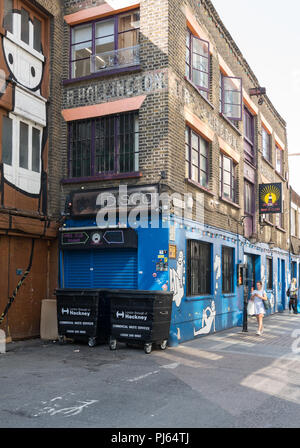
(93, 24)
(266, 138)
(8, 15)
(222, 93)
(204, 270)
(205, 92)
(189, 160)
(15, 141)
(249, 139)
(233, 178)
(279, 151)
(115, 155)
(228, 270)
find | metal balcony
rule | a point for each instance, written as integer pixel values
(124, 57)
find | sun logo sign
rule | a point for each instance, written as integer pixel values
(270, 198)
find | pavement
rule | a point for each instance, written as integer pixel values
(225, 380)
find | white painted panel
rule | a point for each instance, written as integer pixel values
(28, 181)
(30, 107)
(25, 67)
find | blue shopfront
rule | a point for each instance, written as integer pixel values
(203, 266)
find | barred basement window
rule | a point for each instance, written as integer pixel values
(227, 270)
(106, 145)
(199, 268)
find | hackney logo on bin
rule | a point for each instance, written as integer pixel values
(270, 198)
(131, 315)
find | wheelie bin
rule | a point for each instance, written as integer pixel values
(139, 317)
(82, 315)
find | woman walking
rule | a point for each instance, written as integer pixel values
(293, 293)
(259, 296)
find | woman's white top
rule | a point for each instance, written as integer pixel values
(259, 307)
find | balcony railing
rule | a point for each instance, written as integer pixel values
(124, 57)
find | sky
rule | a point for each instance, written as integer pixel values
(267, 33)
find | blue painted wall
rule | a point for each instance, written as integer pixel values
(194, 317)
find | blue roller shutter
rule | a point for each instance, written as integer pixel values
(116, 269)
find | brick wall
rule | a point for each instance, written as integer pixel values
(162, 122)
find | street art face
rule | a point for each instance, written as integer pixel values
(177, 279)
(25, 68)
(208, 320)
(28, 118)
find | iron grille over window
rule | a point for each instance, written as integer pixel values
(227, 270)
(199, 268)
(105, 145)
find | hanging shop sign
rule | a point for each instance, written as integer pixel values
(270, 198)
(98, 239)
(90, 202)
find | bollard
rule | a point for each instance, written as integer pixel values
(2, 342)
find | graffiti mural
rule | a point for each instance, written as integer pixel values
(177, 279)
(23, 56)
(208, 320)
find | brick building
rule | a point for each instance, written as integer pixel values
(157, 96)
(29, 148)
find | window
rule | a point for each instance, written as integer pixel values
(8, 15)
(105, 44)
(227, 270)
(29, 147)
(196, 157)
(24, 26)
(269, 273)
(104, 145)
(249, 198)
(279, 220)
(199, 268)
(81, 50)
(23, 154)
(227, 178)
(279, 160)
(293, 221)
(266, 145)
(7, 132)
(197, 63)
(36, 150)
(37, 35)
(231, 97)
(128, 30)
(249, 136)
(249, 208)
(294, 269)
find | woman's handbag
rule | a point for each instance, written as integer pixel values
(267, 304)
(251, 308)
